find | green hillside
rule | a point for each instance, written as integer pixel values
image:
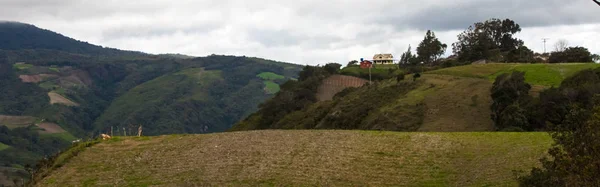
(3, 146)
(306, 158)
(84, 89)
(537, 74)
(455, 99)
(210, 96)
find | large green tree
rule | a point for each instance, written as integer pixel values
(408, 58)
(571, 54)
(430, 49)
(510, 98)
(575, 153)
(487, 40)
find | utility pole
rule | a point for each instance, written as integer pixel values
(545, 40)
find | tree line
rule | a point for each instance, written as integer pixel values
(491, 40)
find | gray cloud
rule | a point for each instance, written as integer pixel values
(300, 31)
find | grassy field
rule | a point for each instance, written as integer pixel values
(22, 66)
(3, 146)
(306, 158)
(271, 87)
(270, 76)
(537, 74)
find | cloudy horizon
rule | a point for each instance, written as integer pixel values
(302, 32)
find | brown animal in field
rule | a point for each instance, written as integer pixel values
(105, 136)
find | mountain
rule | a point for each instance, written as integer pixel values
(54, 89)
(20, 36)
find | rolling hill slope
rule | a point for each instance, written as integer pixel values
(321, 158)
(455, 99)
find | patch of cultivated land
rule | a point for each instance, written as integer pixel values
(56, 98)
(16, 121)
(336, 83)
(50, 128)
(306, 158)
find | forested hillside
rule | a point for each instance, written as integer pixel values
(54, 89)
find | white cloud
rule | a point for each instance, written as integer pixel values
(300, 31)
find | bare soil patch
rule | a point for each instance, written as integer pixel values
(36, 78)
(336, 83)
(56, 98)
(50, 128)
(16, 121)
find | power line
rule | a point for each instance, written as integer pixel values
(545, 39)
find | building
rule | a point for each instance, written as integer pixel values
(366, 64)
(383, 59)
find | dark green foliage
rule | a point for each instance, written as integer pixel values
(573, 117)
(487, 40)
(332, 68)
(430, 49)
(352, 63)
(27, 146)
(16, 97)
(400, 77)
(19, 36)
(571, 54)
(294, 96)
(521, 54)
(352, 108)
(595, 58)
(408, 58)
(510, 95)
(416, 76)
(194, 100)
(574, 154)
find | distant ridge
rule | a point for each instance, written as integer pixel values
(20, 36)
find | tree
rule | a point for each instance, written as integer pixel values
(488, 40)
(571, 54)
(352, 63)
(596, 58)
(521, 54)
(510, 95)
(561, 45)
(332, 68)
(430, 49)
(406, 56)
(574, 153)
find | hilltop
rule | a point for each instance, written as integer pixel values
(329, 158)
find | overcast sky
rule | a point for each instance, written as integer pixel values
(300, 31)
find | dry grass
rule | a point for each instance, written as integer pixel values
(50, 128)
(306, 158)
(457, 104)
(16, 121)
(56, 98)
